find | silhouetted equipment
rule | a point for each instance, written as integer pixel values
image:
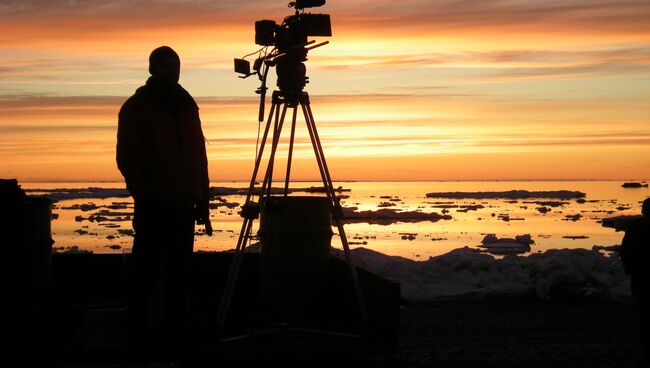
(290, 48)
(25, 224)
(89, 319)
(295, 231)
(301, 4)
(265, 203)
(25, 271)
(295, 234)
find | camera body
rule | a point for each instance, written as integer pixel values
(293, 31)
(290, 39)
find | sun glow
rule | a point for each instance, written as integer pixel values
(443, 90)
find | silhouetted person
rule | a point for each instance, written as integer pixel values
(635, 254)
(161, 154)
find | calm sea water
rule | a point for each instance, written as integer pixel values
(420, 240)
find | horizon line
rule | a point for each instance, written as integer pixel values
(363, 181)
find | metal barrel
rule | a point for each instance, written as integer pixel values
(296, 235)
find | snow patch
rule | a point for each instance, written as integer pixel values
(469, 273)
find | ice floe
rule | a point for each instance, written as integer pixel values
(387, 216)
(71, 250)
(634, 185)
(573, 218)
(494, 245)
(59, 194)
(548, 203)
(79, 193)
(217, 191)
(510, 194)
(620, 223)
(574, 237)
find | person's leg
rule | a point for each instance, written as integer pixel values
(644, 306)
(179, 249)
(641, 292)
(146, 261)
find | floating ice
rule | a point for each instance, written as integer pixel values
(574, 237)
(634, 185)
(494, 245)
(78, 193)
(59, 194)
(548, 203)
(71, 250)
(216, 191)
(511, 194)
(620, 223)
(387, 216)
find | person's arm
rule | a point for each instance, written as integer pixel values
(128, 150)
(627, 249)
(205, 180)
(203, 204)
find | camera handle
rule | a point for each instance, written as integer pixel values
(262, 92)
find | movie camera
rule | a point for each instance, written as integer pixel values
(289, 47)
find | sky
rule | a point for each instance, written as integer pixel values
(405, 90)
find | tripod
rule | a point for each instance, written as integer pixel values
(251, 209)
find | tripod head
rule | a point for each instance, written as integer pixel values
(290, 45)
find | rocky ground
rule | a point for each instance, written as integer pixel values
(520, 333)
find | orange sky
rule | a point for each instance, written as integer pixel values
(408, 90)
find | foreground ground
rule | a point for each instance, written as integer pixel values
(487, 333)
(519, 333)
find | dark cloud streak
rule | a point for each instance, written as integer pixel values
(381, 17)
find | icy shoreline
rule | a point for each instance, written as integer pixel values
(467, 273)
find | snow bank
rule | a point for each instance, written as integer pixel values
(468, 273)
(511, 194)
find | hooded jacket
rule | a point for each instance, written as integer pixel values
(160, 145)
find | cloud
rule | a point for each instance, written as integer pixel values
(507, 63)
(58, 129)
(61, 22)
(593, 15)
(605, 70)
(88, 21)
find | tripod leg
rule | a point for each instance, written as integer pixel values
(268, 178)
(316, 153)
(327, 179)
(244, 234)
(329, 187)
(233, 273)
(291, 139)
(258, 160)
